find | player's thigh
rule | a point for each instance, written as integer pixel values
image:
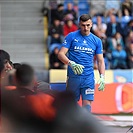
(73, 84)
(87, 89)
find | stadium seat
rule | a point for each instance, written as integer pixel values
(125, 20)
(83, 7)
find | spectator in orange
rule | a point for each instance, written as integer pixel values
(69, 26)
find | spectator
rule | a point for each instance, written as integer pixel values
(58, 13)
(99, 28)
(127, 6)
(117, 39)
(5, 66)
(55, 63)
(113, 26)
(129, 39)
(69, 26)
(55, 27)
(130, 56)
(112, 8)
(5, 59)
(16, 65)
(39, 85)
(119, 57)
(55, 34)
(97, 7)
(128, 28)
(27, 108)
(125, 19)
(71, 12)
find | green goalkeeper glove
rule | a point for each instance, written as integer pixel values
(101, 83)
(77, 68)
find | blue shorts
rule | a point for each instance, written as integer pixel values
(82, 86)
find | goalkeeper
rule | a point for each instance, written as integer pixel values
(78, 51)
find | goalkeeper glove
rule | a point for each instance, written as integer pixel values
(77, 68)
(101, 83)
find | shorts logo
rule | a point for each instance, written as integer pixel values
(89, 91)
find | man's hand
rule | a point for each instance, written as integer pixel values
(77, 68)
(101, 83)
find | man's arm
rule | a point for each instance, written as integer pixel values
(62, 55)
(101, 69)
(101, 64)
(77, 68)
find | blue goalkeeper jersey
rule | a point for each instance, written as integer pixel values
(82, 50)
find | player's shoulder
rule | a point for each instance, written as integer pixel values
(94, 36)
(73, 34)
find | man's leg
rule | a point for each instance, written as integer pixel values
(87, 104)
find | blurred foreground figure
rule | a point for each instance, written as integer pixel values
(71, 118)
(25, 110)
(68, 117)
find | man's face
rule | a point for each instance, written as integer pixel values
(85, 27)
(7, 65)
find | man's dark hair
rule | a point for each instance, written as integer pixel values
(4, 55)
(60, 5)
(24, 74)
(16, 65)
(1, 66)
(84, 17)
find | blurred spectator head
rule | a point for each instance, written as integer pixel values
(119, 47)
(69, 6)
(5, 59)
(99, 19)
(130, 23)
(112, 18)
(16, 65)
(60, 7)
(56, 22)
(117, 35)
(56, 50)
(24, 75)
(68, 17)
(4, 55)
(69, 23)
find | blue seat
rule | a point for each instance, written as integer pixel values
(125, 20)
(80, 12)
(83, 7)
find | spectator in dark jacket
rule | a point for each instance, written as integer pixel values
(113, 26)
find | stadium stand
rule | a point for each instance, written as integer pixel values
(22, 34)
(83, 7)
